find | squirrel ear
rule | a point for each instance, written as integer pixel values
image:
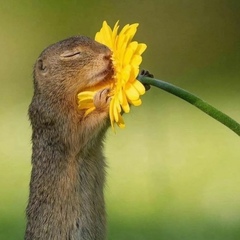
(41, 66)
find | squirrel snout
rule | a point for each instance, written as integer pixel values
(107, 56)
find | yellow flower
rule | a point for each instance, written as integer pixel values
(126, 58)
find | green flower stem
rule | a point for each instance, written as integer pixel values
(194, 100)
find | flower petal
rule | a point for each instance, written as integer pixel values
(139, 87)
(126, 73)
(105, 33)
(134, 46)
(141, 48)
(111, 107)
(86, 105)
(136, 60)
(128, 56)
(85, 95)
(130, 31)
(116, 109)
(131, 92)
(124, 102)
(121, 123)
(114, 32)
(137, 102)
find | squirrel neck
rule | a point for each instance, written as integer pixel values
(66, 190)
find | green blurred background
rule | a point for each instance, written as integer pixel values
(173, 172)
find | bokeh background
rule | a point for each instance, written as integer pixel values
(173, 171)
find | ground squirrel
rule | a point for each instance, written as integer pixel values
(68, 167)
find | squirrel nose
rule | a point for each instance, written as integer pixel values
(107, 56)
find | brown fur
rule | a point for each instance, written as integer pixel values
(68, 167)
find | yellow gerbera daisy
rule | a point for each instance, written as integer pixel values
(126, 58)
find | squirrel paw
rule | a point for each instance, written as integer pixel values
(101, 99)
(147, 74)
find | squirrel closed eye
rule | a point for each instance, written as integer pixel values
(71, 54)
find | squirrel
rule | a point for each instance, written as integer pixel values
(68, 167)
(66, 200)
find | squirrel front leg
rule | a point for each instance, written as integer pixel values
(101, 101)
(97, 121)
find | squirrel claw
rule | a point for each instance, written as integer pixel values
(101, 99)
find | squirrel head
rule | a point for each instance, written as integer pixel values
(62, 71)
(71, 66)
